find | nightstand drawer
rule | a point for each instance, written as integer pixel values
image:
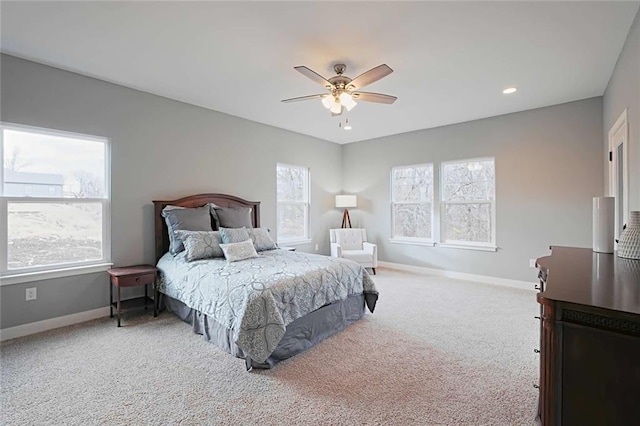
(135, 280)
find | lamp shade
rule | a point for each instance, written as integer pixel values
(344, 201)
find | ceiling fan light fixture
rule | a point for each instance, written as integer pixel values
(327, 101)
(336, 108)
(347, 101)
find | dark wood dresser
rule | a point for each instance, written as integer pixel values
(589, 338)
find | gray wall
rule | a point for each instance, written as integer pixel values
(623, 92)
(548, 164)
(548, 168)
(161, 149)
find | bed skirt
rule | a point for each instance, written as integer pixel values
(299, 336)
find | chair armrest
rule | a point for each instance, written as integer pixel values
(370, 248)
(336, 250)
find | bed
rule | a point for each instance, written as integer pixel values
(264, 309)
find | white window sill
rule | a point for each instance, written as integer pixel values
(294, 242)
(26, 277)
(469, 247)
(412, 242)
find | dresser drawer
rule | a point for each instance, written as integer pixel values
(134, 280)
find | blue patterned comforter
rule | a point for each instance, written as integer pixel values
(257, 298)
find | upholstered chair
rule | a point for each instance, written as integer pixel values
(351, 243)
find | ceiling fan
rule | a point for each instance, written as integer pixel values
(343, 91)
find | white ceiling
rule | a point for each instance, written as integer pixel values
(451, 60)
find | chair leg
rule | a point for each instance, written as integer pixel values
(374, 271)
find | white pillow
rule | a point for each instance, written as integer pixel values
(234, 252)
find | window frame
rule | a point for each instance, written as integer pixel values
(490, 245)
(412, 240)
(306, 206)
(43, 272)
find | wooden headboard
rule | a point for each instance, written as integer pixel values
(222, 200)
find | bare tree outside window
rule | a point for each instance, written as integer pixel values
(292, 184)
(89, 185)
(13, 161)
(412, 202)
(468, 201)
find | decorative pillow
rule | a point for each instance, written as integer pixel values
(234, 235)
(201, 244)
(177, 218)
(239, 251)
(261, 239)
(234, 217)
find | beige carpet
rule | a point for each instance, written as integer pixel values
(437, 351)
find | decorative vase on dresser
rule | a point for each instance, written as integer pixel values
(629, 244)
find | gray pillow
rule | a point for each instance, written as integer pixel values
(234, 217)
(239, 251)
(197, 219)
(261, 239)
(216, 221)
(201, 244)
(234, 235)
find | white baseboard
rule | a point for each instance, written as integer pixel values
(504, 282)
(50, 324)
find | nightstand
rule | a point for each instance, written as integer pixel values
(132, 276)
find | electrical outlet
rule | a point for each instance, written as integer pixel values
(317, 247)
(31, 293)
(532, 263)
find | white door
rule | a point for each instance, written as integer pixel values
(618, 170)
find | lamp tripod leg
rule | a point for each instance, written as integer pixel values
(346, 219)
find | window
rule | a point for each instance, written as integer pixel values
(412, 203)
(292, 203)
(54, 196)
(467, 209)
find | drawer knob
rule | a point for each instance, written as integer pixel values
(537, 351)
(536, 386)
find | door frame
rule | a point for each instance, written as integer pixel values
(619, 135)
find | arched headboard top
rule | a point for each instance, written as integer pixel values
(222, 200)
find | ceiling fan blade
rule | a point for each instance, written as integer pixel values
(312, 75)
(371, 76)
(374, 97)
(304, 98)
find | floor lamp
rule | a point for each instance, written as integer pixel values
(346, 201)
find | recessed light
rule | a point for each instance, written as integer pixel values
(510, 90)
